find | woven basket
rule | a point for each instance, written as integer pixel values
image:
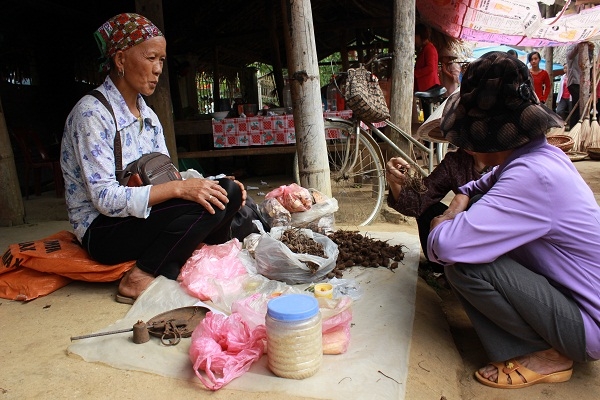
(594, 153)
(365, 97)
(563, 142)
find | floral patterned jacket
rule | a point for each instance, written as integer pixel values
(88, 162)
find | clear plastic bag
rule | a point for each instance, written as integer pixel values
(276, 261)
(224, 347)
(274, 213)
(320, 216)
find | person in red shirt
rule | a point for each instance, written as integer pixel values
(541, 79)
(426, 65)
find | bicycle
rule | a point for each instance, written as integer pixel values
(357, 166)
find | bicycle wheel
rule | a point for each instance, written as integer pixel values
(356, 173)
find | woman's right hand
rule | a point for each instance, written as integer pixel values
(395, 174)
(206, 192)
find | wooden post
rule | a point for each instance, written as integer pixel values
(403, 71)
(344, 51)
(191, 83)
(274, 36)
(216, 81)
(303, 66)
(160, 101)
(12, 211)
(549, 56)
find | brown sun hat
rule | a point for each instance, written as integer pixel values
(497, 108)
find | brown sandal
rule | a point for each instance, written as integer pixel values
(520, 376)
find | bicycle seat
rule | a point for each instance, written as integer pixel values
(435, 92)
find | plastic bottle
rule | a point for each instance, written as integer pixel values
(332, 95)
(294, 336)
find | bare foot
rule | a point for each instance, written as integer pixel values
(543, 362)
(134, 282)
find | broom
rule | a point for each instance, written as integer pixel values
(585, 132)
(594, 139)
(575, 131)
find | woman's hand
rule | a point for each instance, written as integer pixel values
(207, 192)
(395, 174)
(242, 188)
(459, 203)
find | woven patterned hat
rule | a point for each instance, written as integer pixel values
(497, 108)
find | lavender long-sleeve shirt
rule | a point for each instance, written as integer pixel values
(537, 209)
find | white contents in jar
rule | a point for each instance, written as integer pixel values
(294, 336)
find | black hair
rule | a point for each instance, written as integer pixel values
(512, 52)
(532, 54)
(423, 31)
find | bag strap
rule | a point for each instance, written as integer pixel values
(117, 143)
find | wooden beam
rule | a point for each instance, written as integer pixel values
(303, 69)
(403, 71)
(160, 101)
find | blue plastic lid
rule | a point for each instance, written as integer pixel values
(292, 307)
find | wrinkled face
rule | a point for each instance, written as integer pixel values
(143, 64)
(535, 60)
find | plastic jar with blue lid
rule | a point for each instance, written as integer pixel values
(294, 336)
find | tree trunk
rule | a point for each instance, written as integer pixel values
(403, 71)
(160, 101)
(303, 67)
(12, 211)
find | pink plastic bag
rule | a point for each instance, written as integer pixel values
(337, 319)
(223, 348)
(293, 198)
(209, 274)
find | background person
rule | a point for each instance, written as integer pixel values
(524, 264)
(574, 77)
(426, 64)
(159, 226)
(563, 106)
(449, 71)
(541, 79)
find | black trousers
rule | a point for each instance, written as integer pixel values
(423, 223)
(163, 242)
(574, 91)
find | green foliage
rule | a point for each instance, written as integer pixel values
(331, 65)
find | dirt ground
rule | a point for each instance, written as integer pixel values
(35, 365)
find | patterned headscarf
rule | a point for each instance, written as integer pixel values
(122, 32)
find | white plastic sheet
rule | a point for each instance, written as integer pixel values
(374, 367)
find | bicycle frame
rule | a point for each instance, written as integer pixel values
(348, 165)
(421, 146)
